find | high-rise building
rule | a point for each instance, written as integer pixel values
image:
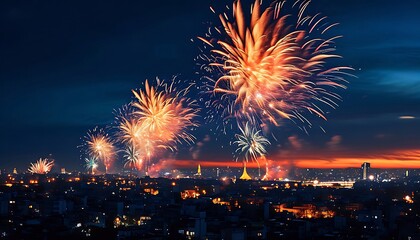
(365, 170)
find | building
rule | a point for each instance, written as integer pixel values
(365, 170)
(4, 207)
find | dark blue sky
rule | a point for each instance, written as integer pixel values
(64, 66)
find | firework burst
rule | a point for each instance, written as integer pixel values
(251, 143)
(101, 146)
(272, 65)
(161, 117)
(42, 166)
(132, 158)
(130, 131)
(137, 144)
(165, 113)
(91, 164)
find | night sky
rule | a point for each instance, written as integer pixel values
(65, 65)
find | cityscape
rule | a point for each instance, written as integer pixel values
(352, 203)
(210, 120)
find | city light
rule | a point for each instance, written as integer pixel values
(408, 199)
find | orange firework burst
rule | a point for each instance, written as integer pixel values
(165, 114)
(162, 117)
(274, 65)
(101, 146)
(130, 131)
(137, 144)
(42, 166)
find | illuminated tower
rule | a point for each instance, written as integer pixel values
(198, 174)
(365, 170)
(15, 171)
(245, 175)
(199, 170)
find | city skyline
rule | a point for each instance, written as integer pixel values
(64, 73)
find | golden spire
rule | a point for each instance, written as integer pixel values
(199, 170)
(245, 175)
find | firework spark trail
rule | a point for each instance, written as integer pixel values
(42, 166)
(274, 66)
(91, 164)
(101, 146)
(251, 143)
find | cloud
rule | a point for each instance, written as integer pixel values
(407, 117)
(196, 150)
(402, 81)
(295, 142)
(334, 143)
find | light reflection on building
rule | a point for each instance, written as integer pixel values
(305, 211)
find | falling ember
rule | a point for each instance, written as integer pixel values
(251, 143)
(272, 65)
(101, 146)
(42, 166)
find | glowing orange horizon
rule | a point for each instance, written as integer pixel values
(393, 159)
(305, 163)
(357, 162)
